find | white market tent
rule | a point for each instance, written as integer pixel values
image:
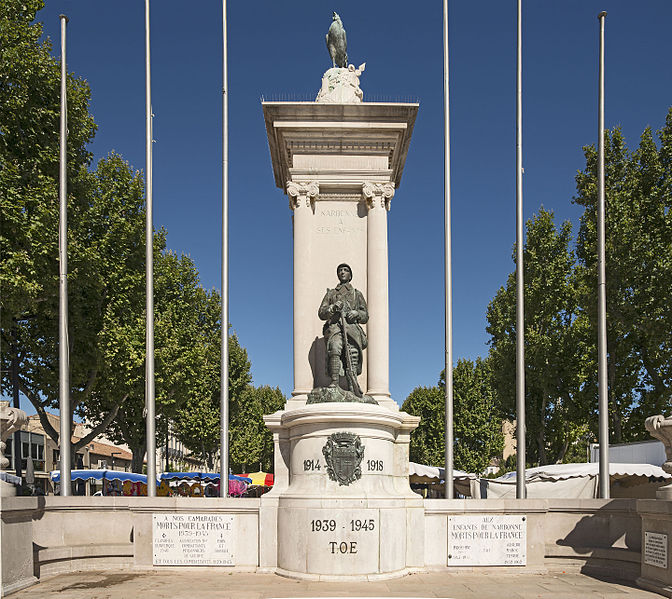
(421, 474)
(577, 481)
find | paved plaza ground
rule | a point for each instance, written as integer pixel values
(210, 583)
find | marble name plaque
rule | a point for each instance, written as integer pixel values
(487, 540)
(655, 549)
(193, 539)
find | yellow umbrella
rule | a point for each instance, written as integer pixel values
(260, 479)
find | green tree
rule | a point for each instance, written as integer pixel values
(185, 331)
(557, 347)
(107, 253)
(105, 232)
(638, 190)
(427, 441)
(250, 440)
(477, 422)
(197, 423)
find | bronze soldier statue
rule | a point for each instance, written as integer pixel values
(344, 308)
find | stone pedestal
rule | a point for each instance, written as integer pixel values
(342, 505)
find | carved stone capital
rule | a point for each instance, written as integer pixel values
(302, 193)
(378, 194)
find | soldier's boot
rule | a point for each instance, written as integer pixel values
(334, 369)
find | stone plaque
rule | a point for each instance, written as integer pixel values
(655, 549)
(342, 541)
(487, 540)
(193, 539)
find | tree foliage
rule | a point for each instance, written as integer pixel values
(198, 421)
(557, 349)
(250, 441)
(29, 159)
(477, 423)
(106, 266)
(427, 441)
(477, 420)
(638, 224)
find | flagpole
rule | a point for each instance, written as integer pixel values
(448, 292)
(224, 380)
(520, 288)
(150, 405)
(602, 285)
(63, 341)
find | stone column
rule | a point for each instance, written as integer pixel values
(302, 196)
(378, 196)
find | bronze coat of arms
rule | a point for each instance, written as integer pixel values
(344, 453)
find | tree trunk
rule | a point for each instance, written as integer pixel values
(563, 451)
(541, 437)
(138, 455)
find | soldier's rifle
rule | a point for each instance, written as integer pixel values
(349, 371)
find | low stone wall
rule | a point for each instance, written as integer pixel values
(657, 519)
(16, 543)
(598, 536)
(43, 536)
(82, 533)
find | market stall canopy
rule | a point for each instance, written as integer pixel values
(201, 476)
(100, 475)
(578, 481)
(260, 479)
(419, 474)
(10, 478)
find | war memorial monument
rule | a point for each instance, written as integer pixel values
(341, 507)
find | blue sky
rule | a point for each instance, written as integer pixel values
(277, 50)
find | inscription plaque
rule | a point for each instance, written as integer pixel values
(338, 220)
(655, 549)
(487, 540)
(345, 539)
(193, 539)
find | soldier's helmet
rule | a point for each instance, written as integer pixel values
(346, 266)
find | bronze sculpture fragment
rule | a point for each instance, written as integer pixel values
(344, 310)
(337, 43)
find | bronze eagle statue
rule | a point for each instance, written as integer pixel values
(337, 43)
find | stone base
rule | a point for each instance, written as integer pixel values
(363, 578)
(656, 515)
(7, 489)
(341, 86)
(655, 586)
(664, 492)
(343, 508)
(336, 394)
(16, 544)
(18, 585)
